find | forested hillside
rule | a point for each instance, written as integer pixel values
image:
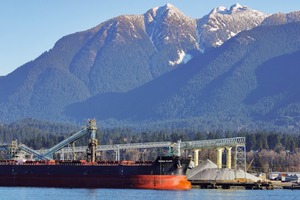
(248, 83)
(231, 70)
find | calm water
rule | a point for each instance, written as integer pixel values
(14, 193)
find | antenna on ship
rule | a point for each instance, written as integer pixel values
(93, 142)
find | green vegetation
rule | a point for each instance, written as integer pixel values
(269, 150)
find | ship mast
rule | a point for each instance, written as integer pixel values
(93, 142)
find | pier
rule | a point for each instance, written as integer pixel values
(232, 185)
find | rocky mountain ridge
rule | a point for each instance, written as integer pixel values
(222, 24)
(111, 71)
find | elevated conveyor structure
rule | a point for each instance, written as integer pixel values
(122, 146)
(238, 143)
(90, 128)
(14, 148)
(118, 147)
(37, 154)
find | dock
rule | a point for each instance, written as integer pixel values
(231, 185)
(293, 186)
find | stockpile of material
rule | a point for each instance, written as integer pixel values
(208, 171)
(202, 166)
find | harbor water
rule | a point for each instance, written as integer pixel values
(23, 193)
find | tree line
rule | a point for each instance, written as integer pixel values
(265, 150)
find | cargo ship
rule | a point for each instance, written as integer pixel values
(164, 173)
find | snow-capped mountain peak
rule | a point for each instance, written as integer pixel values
(159, 13)
(221, 24)
(169, 6)
(233, 9)
(221, 9)
(237, 8)
(168, 25)
(169, 10)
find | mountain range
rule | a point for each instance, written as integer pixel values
(232, 69)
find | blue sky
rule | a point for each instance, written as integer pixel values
(31, 27)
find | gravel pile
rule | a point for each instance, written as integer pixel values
(208, 164)
(208, 171)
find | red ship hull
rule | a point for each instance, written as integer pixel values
(161, 182)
